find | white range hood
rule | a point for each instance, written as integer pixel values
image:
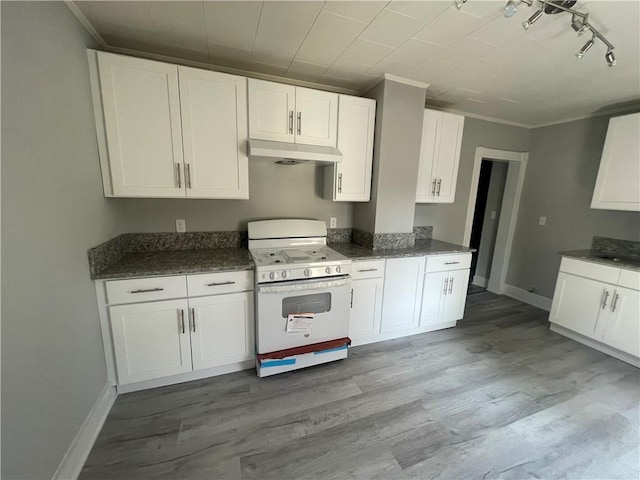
(293, 153)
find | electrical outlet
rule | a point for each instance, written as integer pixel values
(333, 222)
(493, 214)
(181, 226)
(542, 221)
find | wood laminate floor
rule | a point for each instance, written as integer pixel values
(499, 396)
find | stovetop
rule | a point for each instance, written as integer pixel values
(296, 256)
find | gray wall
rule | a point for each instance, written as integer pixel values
(490, 225)
(274, 190)
(52, 211)
(561, 174)
(396, 157)
(448, 220)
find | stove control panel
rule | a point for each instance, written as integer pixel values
(275, 274)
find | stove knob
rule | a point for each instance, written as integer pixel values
(284, 274)
(328, 270)
(307, 272)
(338, 270)
(272, 275)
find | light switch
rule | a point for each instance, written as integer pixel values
(181, 226)
(493, 214)
(542, 221)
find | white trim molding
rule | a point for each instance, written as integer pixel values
(528, 297)
(78, 451)
(84, 21)
(480, 281)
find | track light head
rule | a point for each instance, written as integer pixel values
(579, 25)
(532, 19)
(510, 9)
(610, 58)
(585, 48)
(459, 3)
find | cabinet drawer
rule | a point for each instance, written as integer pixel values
(367, 269)
(629, 279)
(582, 268)
(219, 282)
(145, 289)
(439, 263)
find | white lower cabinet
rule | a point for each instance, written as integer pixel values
(595, 302)
(150, 340)
(402, 294)
(366, 301)
(221, 329)
(154, 340)
(444, 293)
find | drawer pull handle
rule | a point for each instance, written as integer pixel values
(451, 263)
(157, 289)
(368, 270)
(214, 284)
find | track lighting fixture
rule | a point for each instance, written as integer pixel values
(579, 21)
(532, 19)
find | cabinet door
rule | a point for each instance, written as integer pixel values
(271, 111)
(150, 340)
(214, 126)
(402, 293)
(433, 297)
(577, 304)
(141, 106)
(618, 183)
(456, 296)
(429, 147)
(448, 157)
(366, 308)
(352, 177)
(623, 326)
(221, 329)
(316, 120)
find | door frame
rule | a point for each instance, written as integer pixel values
(508, 216)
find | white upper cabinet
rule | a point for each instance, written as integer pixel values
(141, 105)
(169, 131)
(214, 126)
(439, 157)
(284, 113)
(618, 183)
(350, 180)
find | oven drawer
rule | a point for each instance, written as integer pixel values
(219, 282)
(367, 269)
(442, 263)
(145, 289)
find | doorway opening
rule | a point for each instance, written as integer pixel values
(486, 216)
(496, 186)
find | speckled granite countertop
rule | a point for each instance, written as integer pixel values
(178, 262)
(588, 256)
(422, 247)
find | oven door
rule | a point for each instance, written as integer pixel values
(327, 299)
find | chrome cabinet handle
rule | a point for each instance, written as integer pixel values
(615, 302)
(193, 318)
(299, 122)
(182, 319)
(446, 283)
(604, 300)
(451, 286)
(214, 284)
(147, 290)
(451, 263)
(439, 184)
(433, 188)
(179, 179)
(368, 270)
(352, 298)
(339, 183)
(188, 175)
(291, 121)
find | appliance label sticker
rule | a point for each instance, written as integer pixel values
(299, 322)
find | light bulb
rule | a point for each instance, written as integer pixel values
(510, 8)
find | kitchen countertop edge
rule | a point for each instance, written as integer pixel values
(587, 256)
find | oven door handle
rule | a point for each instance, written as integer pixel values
(304, 285)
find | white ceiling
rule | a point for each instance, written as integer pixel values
(474, 59)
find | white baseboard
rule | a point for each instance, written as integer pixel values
(77, 454)
(480, 281)
(527, 297)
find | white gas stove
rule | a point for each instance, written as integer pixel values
(303, 295)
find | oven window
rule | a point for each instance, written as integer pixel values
(314, 303)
